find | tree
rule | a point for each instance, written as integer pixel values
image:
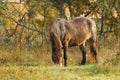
(23, 23)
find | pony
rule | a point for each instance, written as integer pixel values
(74, 32)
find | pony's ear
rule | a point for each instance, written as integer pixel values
(56, 40)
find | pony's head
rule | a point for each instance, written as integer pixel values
(57, 56)
(57, 51)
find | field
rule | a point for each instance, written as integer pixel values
(86, 72)
(36, 64)
(23, 63)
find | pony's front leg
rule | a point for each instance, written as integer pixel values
(65, 47)
(65, 55)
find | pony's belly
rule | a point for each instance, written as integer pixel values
(76, 43)
(78, 39)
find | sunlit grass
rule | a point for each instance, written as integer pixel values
(86, 72)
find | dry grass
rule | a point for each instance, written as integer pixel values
(36, 64)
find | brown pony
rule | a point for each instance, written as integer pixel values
(75, 32)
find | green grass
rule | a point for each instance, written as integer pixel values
(85, 72)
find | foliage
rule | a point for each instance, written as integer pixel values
(33, 16)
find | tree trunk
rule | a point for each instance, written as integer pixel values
(102, 25)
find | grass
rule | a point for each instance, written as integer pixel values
(25, 65)
(36, 64)
(86, 72)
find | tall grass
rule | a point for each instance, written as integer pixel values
(108, 54)
(36, 64)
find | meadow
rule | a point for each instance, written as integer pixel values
(86, 72)
(36, 64)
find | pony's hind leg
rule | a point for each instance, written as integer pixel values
(93, 50)
(82, 48)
